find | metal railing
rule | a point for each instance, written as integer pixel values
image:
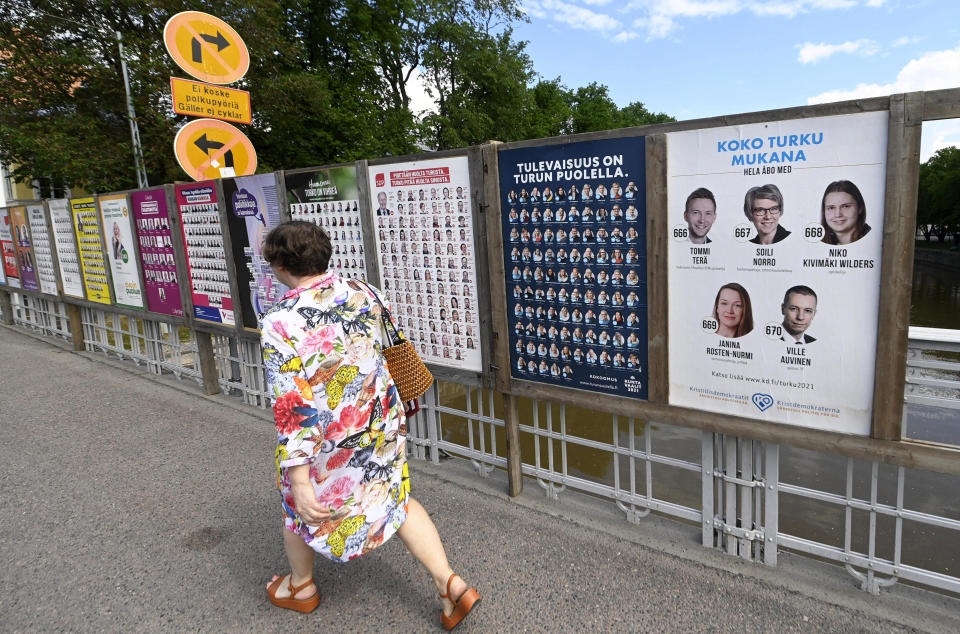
(749, 498)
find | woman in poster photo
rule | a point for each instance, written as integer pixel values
(573, 196)
(763, 206)
(843, 213)
(733, 311)
(586, 193)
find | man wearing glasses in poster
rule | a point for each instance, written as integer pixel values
(763, 206)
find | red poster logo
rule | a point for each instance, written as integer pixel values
(380, 180)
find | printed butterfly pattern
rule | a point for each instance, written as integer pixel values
(338, 538)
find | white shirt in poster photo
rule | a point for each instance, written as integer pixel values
(774, 269)
(116, 218)
(425, 254)
(66, 245)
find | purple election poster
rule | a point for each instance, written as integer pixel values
(156, 251)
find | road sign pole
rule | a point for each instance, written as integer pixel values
(132, 116)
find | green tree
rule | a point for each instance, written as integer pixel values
(938, 202)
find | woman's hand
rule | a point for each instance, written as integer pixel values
(304, 498)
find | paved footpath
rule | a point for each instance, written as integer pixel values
(132, 504)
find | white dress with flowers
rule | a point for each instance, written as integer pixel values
(336, 408)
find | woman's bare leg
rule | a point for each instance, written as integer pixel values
(420, 537)
(301, 557)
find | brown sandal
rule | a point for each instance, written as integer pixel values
(300, 605)
(461, 606)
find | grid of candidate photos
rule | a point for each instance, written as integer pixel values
(341, 220)
(576, 280)
(46, 273)
(91, 250)
(205, 252)
(426, 255)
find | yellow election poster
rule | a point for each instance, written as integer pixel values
(92, 263)
(205, 100)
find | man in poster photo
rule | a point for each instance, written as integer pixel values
(799, 308)
(763, 206)
(382, 204)
(700, 213)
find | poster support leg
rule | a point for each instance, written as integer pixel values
(512, 429)
(208, 363)
(6, 308)
(76, 327)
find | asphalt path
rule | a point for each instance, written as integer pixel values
(136, 504)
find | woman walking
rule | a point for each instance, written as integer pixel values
(340, 456)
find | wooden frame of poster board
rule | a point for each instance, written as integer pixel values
(480, 204)
(907, 112)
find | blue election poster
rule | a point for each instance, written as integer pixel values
(574, 245)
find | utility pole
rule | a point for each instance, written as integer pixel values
(132, 117)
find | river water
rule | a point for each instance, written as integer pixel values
(936, 297)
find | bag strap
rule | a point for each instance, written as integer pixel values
(386, 319)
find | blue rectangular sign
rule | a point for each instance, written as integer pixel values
(574, 236)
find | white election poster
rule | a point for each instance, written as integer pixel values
(42, 249)
(118, 231)
(774, 269)
(66, 244)
(425, 252)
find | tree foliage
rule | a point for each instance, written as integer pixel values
(329, 81)
(938, 202)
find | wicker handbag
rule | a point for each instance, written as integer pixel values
(410, 375)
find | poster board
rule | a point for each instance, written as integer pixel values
(9, 250)
(253, 208)
(121, 255)
(157, 256)
(330, 198)
(426, 256)
(93, 263)
(42, 249)
(573, 219)
(202, 232)
(65, 242)
(784, 331)
(26, 261)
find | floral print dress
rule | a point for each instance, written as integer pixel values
(336, 408)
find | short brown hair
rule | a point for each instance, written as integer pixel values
(300, 247)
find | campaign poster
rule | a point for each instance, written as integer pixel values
(330, 198)
(574, 243)
(116, 218)
(206, 255)
(66, 245)
(93, 263)
(425, 252)
(26, 261)
(156, 251)
(9, 249)
(253, 208)
(775, 233)
(42, 249)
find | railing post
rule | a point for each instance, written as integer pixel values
(6, 307)
(76, 327)
(511, 425)
(208, 363)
